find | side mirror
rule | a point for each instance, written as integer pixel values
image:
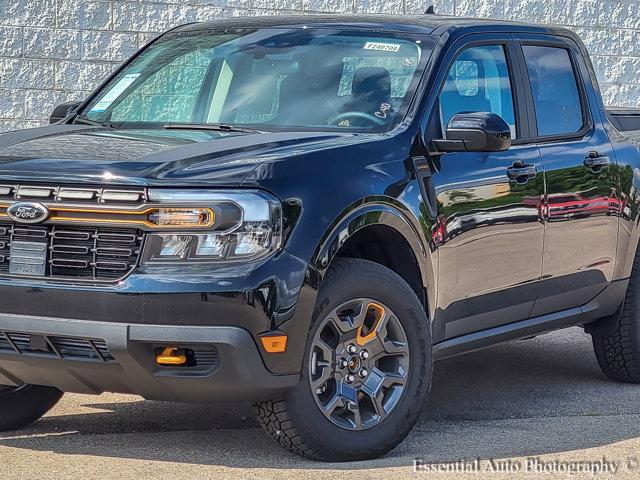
(475, 132)
(62, 111)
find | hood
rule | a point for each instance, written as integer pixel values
(96, 155)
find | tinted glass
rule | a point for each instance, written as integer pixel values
(272, 79)
(555, 90)
(478, 81)
(169, 95)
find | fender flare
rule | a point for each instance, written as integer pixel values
(379, 211)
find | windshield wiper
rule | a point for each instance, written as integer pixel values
(88, 121)
(218, 127)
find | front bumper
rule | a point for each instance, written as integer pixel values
(94, 357)
(277, 294)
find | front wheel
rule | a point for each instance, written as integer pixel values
(20, 406)
(367, 370)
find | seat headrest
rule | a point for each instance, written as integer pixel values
(368, 81)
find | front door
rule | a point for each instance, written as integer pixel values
(489, 232)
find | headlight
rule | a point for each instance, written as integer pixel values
(244, 226)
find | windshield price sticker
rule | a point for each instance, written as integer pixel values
(382, 47)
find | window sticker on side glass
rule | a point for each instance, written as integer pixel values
(115, 92)
(382, 47)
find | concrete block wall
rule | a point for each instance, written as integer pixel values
(57, 50)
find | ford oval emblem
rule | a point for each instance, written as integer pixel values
(28, 213)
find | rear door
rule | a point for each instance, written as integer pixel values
(581, 203)
(488, 234)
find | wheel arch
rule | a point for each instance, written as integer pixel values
(383, 231)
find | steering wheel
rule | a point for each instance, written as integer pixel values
(376, 121)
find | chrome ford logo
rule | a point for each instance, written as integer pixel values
(28, 212)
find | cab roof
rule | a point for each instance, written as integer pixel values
(426, 24)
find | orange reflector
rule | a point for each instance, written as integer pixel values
(171, 356)
(274, 343)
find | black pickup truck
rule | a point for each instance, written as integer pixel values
(307, 212)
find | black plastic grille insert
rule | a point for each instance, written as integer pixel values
(55, 346)
(91, 253)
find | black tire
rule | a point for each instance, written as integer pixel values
(24, 405)
(616, 341)
(296, 421)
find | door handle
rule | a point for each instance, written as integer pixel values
(596, 162)
(521, 174)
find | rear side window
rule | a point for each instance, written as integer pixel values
(555, 90)
(478, 81)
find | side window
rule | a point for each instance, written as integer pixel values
(478, 81)
(555, 90)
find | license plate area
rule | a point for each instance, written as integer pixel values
(28, 258)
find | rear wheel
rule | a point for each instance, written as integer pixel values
(20, 406)
(367, 370)
(616, 341)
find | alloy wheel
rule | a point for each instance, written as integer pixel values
(359, 364)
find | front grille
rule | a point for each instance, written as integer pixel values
(59, 347)
(86, 253)
(84, 195)
(5, 241)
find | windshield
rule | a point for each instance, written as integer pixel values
(271, 79)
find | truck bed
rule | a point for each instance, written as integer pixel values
(625, 119)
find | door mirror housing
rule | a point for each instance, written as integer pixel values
(475, 132)
(62, 111)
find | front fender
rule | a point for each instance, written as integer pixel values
(379, 211)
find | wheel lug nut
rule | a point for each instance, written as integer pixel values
(343, 363)
(350, 378)
(351, 348)
(364, 372)
(364, 354)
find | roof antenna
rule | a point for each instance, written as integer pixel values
(430, 11)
